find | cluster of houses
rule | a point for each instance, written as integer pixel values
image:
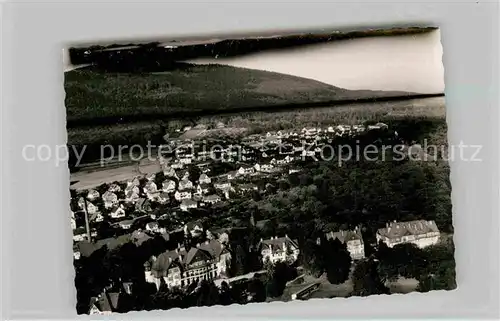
(257, 155)
(211, 260)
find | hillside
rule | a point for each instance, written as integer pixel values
(92, 94)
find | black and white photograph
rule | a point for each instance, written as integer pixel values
(220, 170)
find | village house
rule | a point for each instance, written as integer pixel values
(117, 212)
(279, 249)
(222, 184)
(91, 208)
(105, 303)
(248, 187)
(193, 229)
(97, 217)
(168, 186)
(169, 172)
(150, 189)
(353, 241)
(150, 176)
(232, 175)
(180, 268)
(114, 188)
(163, 198)
(185, 184)
(134, 182)
(126, 224)
(182, 195)
(92, 195)
(110, 199)
(143, 205)
(152, 227)
(212, 199)
(79, 234)
(131, 192)
(421, 233)
(76, 253)
(186, 204)
(186, 159)
(177, 165)
(202, 189)
(204, 179)
(246, 170)
(73, 223)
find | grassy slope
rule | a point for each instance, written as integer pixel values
(91, 94)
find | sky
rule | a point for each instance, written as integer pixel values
(401, 63)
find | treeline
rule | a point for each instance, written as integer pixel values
(154, 57)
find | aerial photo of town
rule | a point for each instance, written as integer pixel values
(198, 179)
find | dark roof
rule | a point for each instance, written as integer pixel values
(106, 301)
(277, 243)
(396, 230)
(183, 258)
(345, 236)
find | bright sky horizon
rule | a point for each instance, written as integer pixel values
(401, 63)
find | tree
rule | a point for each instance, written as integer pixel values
(257, 289)
(366, 280)
(194, 173)
(337, 261)
(405, 260)
(312, 258)
(225, 294)
(208, 294)
(238, 261)
(280, 274)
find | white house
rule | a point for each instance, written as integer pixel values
(126, 225)
(152, 227)
(182, 195)
(232, 175)
(185, 184)
(168, 186)
(73, 223)
(132, 194)
(421, 233)
(150, 188)
(202, 189)
(169, 172)
(117, 212)
(353, 241)
(204, 179)
(187, 204)
(110, 199)
(212, 199)
(163, 198)
(279, 249)
(180, 268)
(246, 170)
(222, 184)
(194, 229)
(114, 188)
(92, 195)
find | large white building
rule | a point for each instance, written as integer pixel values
(279, 249)
(421, 233)
(353, 241)
(181, 267)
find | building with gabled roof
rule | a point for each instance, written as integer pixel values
(353, 241)
(420, 232)
(104, 304)
(182, 267)
(277, 249)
